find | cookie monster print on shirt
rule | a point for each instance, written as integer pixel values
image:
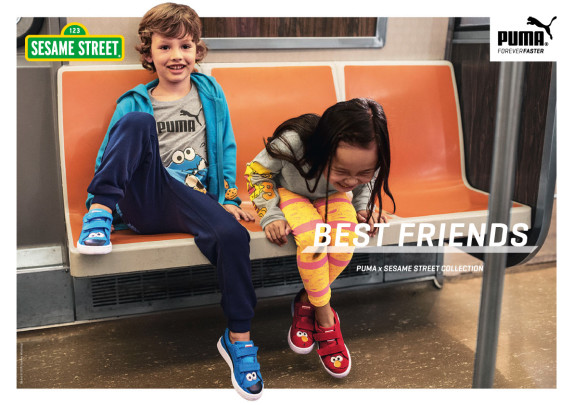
(182, 138)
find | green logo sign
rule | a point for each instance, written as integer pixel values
(75, 44)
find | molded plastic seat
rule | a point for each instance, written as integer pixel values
(259, 100)
(262, 98)
(427, 176)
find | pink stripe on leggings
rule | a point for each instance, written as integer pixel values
(309, 226)
(311, 265)
(339, 263)
(318, 293)
(286, 203)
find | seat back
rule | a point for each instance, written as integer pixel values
(87, 100)
(261, 98)
(427, 174)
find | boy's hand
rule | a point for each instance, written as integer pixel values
(277, 232)
(363, 214)
(238, 213)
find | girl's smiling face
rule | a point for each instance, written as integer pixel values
(352, 166)
(173, 58)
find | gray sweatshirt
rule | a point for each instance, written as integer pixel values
(265, 173)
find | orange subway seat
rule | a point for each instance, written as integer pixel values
(420, 101)
(88, 102)
(261, 98)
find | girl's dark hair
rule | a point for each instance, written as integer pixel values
(357, 122)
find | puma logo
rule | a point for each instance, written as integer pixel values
(196, 116)
(535, 21)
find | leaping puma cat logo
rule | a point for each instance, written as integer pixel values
(196, 116)
(535, 21)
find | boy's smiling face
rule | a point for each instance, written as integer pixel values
(174, 58)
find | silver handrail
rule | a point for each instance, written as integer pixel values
(508, 114)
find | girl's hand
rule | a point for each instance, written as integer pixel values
(363, 214)
(238, 213)
(277, 231)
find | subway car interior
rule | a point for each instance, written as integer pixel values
(473, 143)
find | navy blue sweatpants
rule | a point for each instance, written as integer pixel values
(151, 201)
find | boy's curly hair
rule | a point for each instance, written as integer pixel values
(171, 20)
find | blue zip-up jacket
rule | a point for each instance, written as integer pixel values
(221, 146)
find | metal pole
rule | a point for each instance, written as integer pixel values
(501, 190)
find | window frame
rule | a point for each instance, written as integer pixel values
(228, 43)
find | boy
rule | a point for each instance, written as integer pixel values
(167, 164)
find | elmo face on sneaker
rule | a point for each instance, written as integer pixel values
(333, 353)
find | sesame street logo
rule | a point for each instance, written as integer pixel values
(74, 44)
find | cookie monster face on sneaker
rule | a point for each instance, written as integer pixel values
(245, 369)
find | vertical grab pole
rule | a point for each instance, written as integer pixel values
(501, 190)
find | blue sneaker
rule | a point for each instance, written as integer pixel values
(96, 230)
(245, 369)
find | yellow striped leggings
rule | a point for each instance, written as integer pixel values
(318, 271)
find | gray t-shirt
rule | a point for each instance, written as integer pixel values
(182, 137)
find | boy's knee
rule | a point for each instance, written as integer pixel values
(134, 127)
(138, 118)
(138, 121)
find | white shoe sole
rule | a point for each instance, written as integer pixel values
(225, 355)
(93, 250)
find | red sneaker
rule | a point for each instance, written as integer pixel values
(333, 352)
(300, 333)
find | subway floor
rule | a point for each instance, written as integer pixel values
(403, 336)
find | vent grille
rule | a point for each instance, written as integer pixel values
(155, 286)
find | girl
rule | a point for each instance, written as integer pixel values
(301, 179)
